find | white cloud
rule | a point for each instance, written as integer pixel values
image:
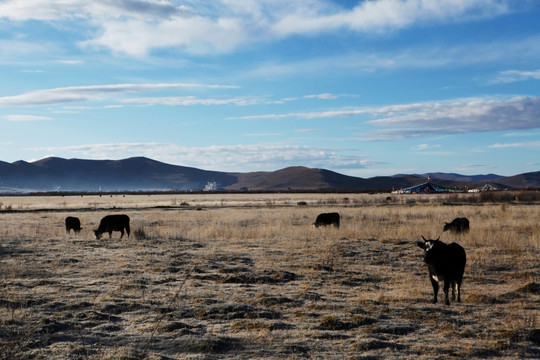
(423, 147)
(89, 93)
(529, 144)
(215, 26)
(373, 16)
(26, 118)
(70, 62)
(325, 96)
(510, 76)
(80, 10)
(464, 116)
(234, 158)
(188, 101)
(434, 118)
(522, 134)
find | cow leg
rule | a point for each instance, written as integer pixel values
(446, 287)
(110, 234)
(458, 287)
(435, 285)
(121, 233)
(453, 284)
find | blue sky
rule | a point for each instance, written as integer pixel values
(363, 88)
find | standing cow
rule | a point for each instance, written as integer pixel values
(73, 223)
(446, 262)
(326, 219)
(112, 223)
(458, 225)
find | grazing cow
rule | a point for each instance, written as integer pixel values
(458, 225)
(73, 223)
(326, 219)
(112, 223)
(446, 262)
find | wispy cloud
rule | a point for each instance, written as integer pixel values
(377, 16)
(263, 134)
(325, 96)
(189, 100)
(434, 118)
(265, 156)
(423, 147)
(47, 10)
(426, 56)
(464, 116)
(26, 118)
(527, 144)
(70, 62)
(90, 93)
(510, 76)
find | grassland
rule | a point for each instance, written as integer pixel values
(246, 276)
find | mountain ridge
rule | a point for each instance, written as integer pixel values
(145, 174)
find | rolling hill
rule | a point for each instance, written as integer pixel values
(143, 174)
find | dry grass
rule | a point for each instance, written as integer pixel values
(247, 276)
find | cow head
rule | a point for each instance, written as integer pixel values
(446, 227)
(98, 234)
(427, 245)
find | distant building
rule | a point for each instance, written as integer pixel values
(487, 187)
(427, 188)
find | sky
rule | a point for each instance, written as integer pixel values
(363, 88)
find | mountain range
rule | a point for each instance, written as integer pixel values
(141, 174)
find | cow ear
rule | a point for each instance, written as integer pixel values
(421, 244)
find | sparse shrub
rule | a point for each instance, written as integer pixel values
(140, 234)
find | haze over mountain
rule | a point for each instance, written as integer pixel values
(143, 174)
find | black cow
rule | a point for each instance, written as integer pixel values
(326, 219)
(73, 223)
(458, 225)
(446, 262)
(112, 223)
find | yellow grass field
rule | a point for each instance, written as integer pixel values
(247, 276)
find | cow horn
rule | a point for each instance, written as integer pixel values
(423, 237)
(438, 238)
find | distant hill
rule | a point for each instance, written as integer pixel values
(522, 181)
(297, 178)
(133, 174)
(143, 174)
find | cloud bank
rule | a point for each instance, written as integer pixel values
(233, 158)
(221, 26)
(434, 118)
